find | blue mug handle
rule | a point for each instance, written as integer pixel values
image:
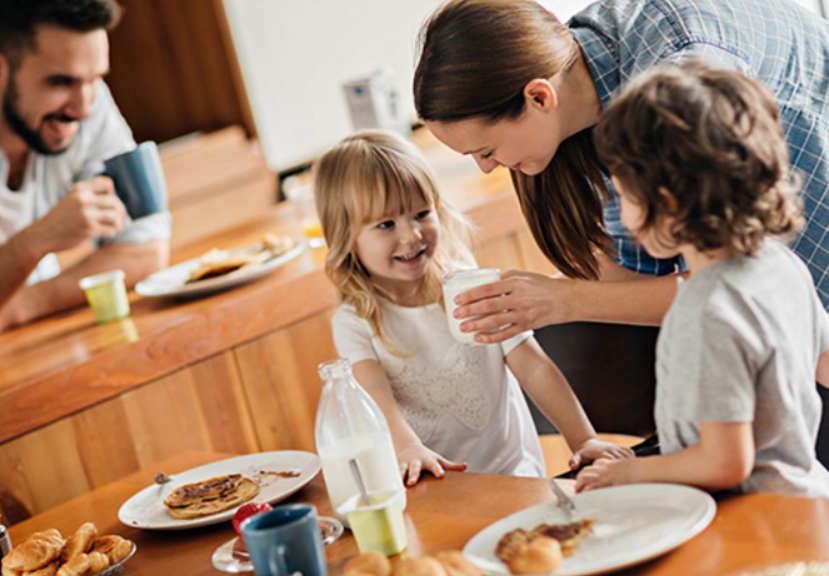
(277, 563)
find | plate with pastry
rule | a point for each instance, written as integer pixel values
(221, 269)
(621, 526)
(212, 493)
(84, 552)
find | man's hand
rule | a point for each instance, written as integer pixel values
(90, 209)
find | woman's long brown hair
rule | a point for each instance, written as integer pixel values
(476, 58)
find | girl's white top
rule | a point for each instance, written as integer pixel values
(462, 401)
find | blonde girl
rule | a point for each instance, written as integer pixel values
(450, 406)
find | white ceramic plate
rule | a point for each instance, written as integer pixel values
(172, 281)
(633, 523)
(146, 508)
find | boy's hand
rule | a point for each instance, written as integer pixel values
(594, 449)
(604, 472)
(414, 459)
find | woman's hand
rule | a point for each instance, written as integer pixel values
(520, 301)
(416, 458)
(605, 472)
(595, 449)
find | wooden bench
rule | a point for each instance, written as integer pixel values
(215, 182)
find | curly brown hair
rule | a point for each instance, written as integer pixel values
(713, 139)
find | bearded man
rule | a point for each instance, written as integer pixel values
(59, 123)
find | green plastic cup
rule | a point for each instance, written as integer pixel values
(107, 295)
(379, 526)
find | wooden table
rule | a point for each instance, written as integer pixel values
(94, 403)
(748, 531)
(68, 356)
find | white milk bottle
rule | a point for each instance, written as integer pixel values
(350, 425)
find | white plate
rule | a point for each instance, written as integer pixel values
(146, 508)
(633, 523)
(172, 281)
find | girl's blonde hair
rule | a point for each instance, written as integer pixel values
(359, 181)
(712, 138)
(476, 57)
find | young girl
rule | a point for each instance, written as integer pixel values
(449, 406)
(698, 157)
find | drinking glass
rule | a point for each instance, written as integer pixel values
(460, 281)
(302, 198)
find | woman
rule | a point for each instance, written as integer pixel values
(507, 83)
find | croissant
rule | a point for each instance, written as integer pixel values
(78, 565)
(539, 556)
(49, 570)
(114, 547)
(456, 564)
(370, 563)
(98, 562)
(80, 542)
(40, 549)
(424, 566)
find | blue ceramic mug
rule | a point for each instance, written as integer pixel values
(139, 180)
(285, 540)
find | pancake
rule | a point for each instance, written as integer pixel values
(220, 262)
(211, 496)
(210, 489)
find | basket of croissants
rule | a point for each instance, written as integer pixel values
(84, 553)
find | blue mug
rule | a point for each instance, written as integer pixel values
(285, 540)
(139, 180)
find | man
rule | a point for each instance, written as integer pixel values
(59, 123)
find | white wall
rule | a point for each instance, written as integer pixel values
(295, 54)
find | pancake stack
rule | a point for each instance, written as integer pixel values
(210, 496)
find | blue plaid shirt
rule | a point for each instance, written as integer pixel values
(777, 41)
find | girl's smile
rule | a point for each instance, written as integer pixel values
(412, 259)
(397, 249)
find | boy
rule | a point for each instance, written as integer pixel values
(699, 159)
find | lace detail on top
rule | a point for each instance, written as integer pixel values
(456, 388)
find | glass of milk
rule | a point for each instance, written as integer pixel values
(460, 281)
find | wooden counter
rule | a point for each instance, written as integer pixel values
(83, 404)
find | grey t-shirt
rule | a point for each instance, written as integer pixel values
(740, 344)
